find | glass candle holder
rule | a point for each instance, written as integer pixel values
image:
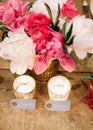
(24, 87)
(59, 88)
(90, 95)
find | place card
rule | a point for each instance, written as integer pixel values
(52, 105)
(23, 103)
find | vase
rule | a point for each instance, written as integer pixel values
(45, 76)
(90, 95)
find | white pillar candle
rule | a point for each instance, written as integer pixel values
(24, 87)
(59, 88)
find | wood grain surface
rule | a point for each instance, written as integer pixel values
(80, 116)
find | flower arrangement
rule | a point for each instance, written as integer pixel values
(34, 35)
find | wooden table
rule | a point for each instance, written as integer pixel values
(80, 116)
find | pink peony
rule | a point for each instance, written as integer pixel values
(49, 46)
(43, 34)
(67, 63)
(69, 10)
(36, 19)
(13, 13)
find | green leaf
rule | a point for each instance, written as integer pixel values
(88, 77)
(57, 18)
(5, 34)
(68, 35)
(63, 31)
(89, 55)
(29, 6)
(3, 27)
(49, 12)
(65, 49)
(1, 23)
(55, 27)
(70, 41)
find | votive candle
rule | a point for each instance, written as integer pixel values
(59, 88)
(24, 87)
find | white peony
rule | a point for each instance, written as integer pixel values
(40, 7)
(20, 50)
(83, 41)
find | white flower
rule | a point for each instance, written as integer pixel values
(20, 50)
(40, 7)
(83, 41)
